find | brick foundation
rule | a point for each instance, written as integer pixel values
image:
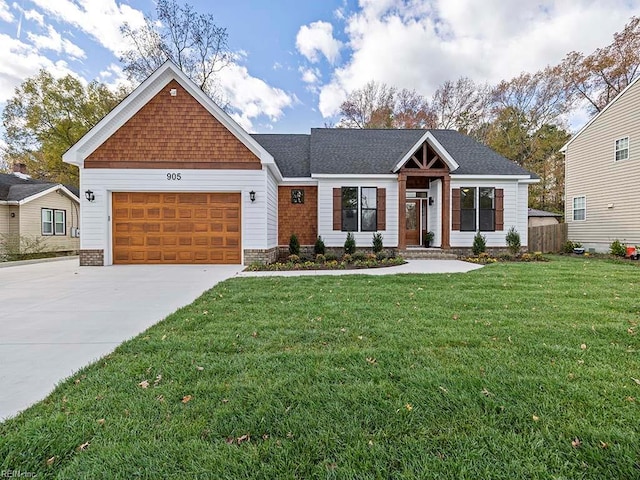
(91, 258)
(268, 255)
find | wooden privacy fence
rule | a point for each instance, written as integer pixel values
(548, 238)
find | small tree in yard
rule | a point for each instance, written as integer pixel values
(617, 248)
(377, 242)
(350, 244)
(318, 247)
(479, 244)
(294, 245)
(513, 241)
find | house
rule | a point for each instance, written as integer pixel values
(174, 179)
(540, 218)
(602, 173)
(37, 215)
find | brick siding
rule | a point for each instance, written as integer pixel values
(175, 129)
(298, 218)
(91, 258)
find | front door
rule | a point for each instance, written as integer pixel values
(413, 222)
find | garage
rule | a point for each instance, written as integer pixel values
(176, 228)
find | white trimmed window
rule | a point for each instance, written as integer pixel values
(579, 208)
(622, 149)
(54, 222)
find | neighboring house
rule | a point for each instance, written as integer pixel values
(539, 218)
(37, 215)
(602, 175)
(174, 179)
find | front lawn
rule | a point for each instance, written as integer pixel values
(517, 370)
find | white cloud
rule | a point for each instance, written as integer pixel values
(113, 77)
(20, 61)
(317, 38)
(251, 97)
(419, 44)
(310, 75)
(100, 19)
(5, 14)
(35, 16)
(54, 41)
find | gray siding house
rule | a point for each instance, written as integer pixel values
(602, 175)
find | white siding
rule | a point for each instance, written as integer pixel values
(4, 219)
(434, 214)
(336, 238)
(610, 187)
(272, 211)
(515, 212)
(95, 225)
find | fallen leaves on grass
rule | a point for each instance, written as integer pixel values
(83, 447)
(199, 368)
(371, 360)
(603, 445)
(576, 443)
(239, 440)
(50, 461)
(583, 346)
(157, 380)
(535, 418)
(186, 398)
(444, 390)
(101, 421)
(486, 392)
(144, 384)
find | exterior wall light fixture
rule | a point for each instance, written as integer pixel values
(252, 196)
(89, 195)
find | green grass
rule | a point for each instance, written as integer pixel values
(478, 375)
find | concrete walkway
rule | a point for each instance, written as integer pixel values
(412, 266)
(56, 317)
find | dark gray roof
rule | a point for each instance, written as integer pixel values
(542, 213)
(354, 151)
(474, 158)
(14, 188)
(371, 151)
(291, 152)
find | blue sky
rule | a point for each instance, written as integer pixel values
(298, 59)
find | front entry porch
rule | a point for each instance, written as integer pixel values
(424, 186)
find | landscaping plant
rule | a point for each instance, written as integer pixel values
(479, 244)
(318, 247)
(350, 244)
(294, 245)
(377, 242)
(513, 241)
(617, 248)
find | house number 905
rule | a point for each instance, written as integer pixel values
(174, 176)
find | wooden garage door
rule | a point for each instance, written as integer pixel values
(176, 228)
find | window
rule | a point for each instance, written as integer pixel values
(579, 208)
(468, 209)
(622, 149)
(54, 222)
(359, 203)
(369, 211)
(349, 209)
(487, 210)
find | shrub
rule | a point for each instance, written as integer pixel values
(359, 256)
(377, 242)
(294, 245)
(381, 256)
(513, 241)
(318, 247)
(350, 244)
(331, 257)
(346, 258)
(569, 246)
(320, 258)
(618, 249)
(294, 258)
(479, 244)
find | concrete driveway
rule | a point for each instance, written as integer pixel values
(56, 317)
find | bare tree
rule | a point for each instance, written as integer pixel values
(600, 76)
(461, 105)
(378, 105)
(190, 39)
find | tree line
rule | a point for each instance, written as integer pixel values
(524, 119)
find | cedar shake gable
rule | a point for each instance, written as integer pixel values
(173, 129)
